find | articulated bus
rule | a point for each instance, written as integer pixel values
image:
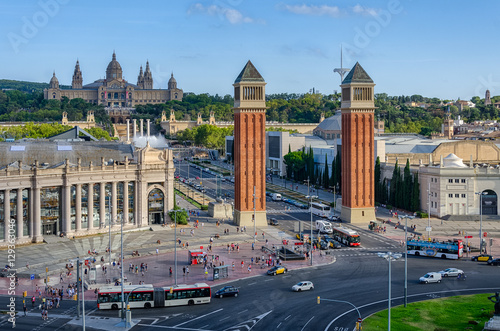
(441, 249)
(320, 209)
(346, 236)
(147, 296)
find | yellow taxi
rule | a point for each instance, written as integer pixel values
(279, 269)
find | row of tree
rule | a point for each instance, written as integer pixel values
(301, 167)
(44, 130)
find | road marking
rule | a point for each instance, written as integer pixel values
(241, 312)
(288, 317)
(194, 319)
(252, 283)
(225, 318)
(278, 326)
(306, 324)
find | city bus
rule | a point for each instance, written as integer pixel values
(147, 296)
(320, 209)
(441, 249)
(346, 236)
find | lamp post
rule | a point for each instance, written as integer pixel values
(175, 241)
(311, 197)
(389, 256)
(406, 257)
(254, 219)
(121, 267)
(429, 212)
(481, 220)
(109, 228)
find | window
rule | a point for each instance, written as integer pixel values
(457, 195)
(463, 181)
(457, 180)
(463, 195)
(450, 195)
(432, 180)
(450, 180)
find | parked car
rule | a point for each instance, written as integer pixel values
(279, 269)
(482, 258)
(334, 218)
(334, 244)
(227, 291)
(431, 277)
(303, 286)
(494, 262)
(451, 272)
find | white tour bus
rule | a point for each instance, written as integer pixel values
(320, 209)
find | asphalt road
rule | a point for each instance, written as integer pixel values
(267, 302)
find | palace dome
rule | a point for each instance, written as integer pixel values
(114, 70)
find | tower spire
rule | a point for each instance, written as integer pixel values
(341, 71)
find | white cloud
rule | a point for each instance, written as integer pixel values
(332, 11)
(360, 10)
(232, 15)
(325, 10)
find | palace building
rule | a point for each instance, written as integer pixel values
(77, 188)
(114, 91)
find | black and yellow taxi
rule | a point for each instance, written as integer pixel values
(276, 270)
(482, 258)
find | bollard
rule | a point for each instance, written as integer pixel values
(129, 316)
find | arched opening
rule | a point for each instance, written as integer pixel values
(156, 206)
(490, 203)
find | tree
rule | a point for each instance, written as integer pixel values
(415, 196)
(407, 186)
(326, 180)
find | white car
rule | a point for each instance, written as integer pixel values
(431, 277)
(452, 272)
(303, 286)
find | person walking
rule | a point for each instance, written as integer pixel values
(24, 308)
(187, 271)
(170, 271)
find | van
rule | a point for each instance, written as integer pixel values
(324, 227)
(431, 277)
(276, 197)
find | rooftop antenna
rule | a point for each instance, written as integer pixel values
(341, 71)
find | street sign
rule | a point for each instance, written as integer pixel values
(485, 234)
(428, 228)
(32, 277)
(467, 237)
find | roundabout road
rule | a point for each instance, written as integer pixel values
(267, 302)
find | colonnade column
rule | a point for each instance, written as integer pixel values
(135, 128)
(78, 206)
(67, 209)
(90, 206)
(128, 130)
(20, 214)
(102, 204)
(6, 212)
(37, 226)
(147, 127)
(141, 128)
(125, 203)
(113, 202)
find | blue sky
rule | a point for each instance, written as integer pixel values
(445, 49)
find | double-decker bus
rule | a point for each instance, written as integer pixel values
(441, 249)
(346, 236)
(147, 296)
(320, 209)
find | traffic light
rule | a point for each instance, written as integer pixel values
(25, 294)
(318, 300)
(171, 290)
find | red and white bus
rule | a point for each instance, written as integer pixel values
(346, 236)
(147, 296)
(441, 249)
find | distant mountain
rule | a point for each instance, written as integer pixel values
(7, 84)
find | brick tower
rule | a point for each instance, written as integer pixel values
(358, 161)
(249, 147)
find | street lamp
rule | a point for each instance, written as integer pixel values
(389, 256)
(254, 219)
(175, 211)
(406, 256)
(480, 220)
(311, 197)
